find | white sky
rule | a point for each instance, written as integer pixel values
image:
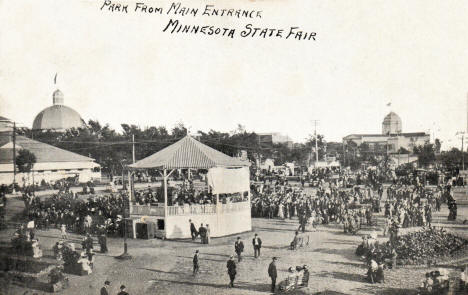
(123, 69)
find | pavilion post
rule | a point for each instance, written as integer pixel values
(218, 215)
(130, 187)
(165, 192)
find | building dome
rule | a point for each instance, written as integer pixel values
(58, 116)
(391, 124)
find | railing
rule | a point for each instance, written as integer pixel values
(234, 207)
(147, 210)
(189, 210)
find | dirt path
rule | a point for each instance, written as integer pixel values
(165, 267)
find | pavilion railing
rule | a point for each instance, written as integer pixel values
(189, 210)
(234, 207)
(147, 210)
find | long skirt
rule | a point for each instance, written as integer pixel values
(281, 212)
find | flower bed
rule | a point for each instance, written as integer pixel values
(427, 246)
(49, 279)
(22, 265)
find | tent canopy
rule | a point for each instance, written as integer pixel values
(188, 153)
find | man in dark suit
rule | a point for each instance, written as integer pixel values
(231, 266)
(239, 248)
(104, 290)
(202, 232)
(193, 230)
(272, 273)
(196, 266)
(257, 245)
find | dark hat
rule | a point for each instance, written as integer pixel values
(122, 287)
(106, 283)
(238, 238)
(275, 258)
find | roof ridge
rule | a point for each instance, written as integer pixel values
(200, 146)
(188, 153)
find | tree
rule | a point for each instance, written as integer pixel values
(425, 153)
(452, 160)
(179, 131)
(25, 160)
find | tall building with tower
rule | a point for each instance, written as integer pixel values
(391, 139)
(391, 124)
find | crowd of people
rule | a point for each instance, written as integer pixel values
(66, 210)
(186, 193)
(331, 202)
(409, 204)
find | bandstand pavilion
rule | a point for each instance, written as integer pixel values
(226, 175)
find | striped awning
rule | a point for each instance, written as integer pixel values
(188, 153)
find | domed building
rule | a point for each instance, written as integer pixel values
(391, 124)
(392, 138)
(58, 116)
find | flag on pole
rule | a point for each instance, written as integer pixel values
(55, 78)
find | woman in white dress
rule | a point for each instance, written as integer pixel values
(208, 234)
(281, 211)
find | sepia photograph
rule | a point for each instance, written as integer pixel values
(240, 147)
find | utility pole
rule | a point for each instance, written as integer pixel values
(126, 214)
(462, 133)
(133, 148)
(398, 158)
(463, 153)
(14, 155)
(344, 155)
(316, 143)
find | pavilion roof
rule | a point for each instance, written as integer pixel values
(44, 153)
(188, 153)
